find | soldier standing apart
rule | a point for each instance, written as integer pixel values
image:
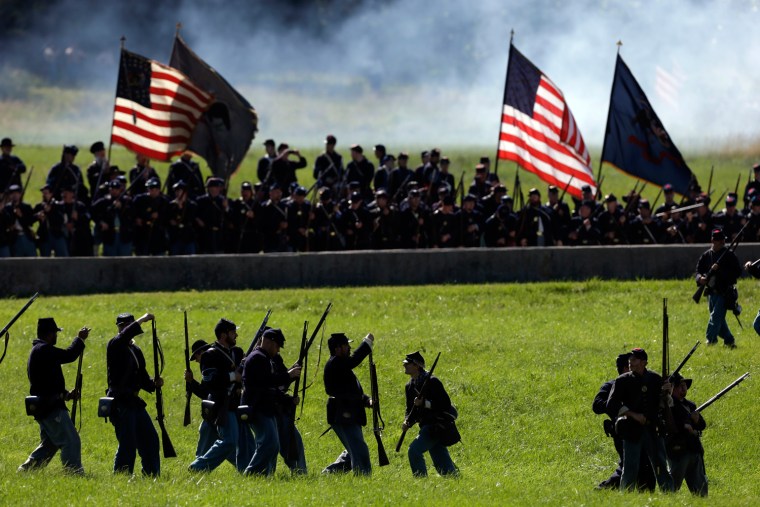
(261, 393)
(222, 380)
(126, 377)
(436, 415)
(47, 382)
(684, 446)
(638, 397)
(722, 267)
(346, 403)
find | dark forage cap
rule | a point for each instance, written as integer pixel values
(667, 188)
(7, 143)
(70, 148)
(639, 353)
(268, 142)
(622, 361)
(300, 191)
(610, 198)
(179, 185)
(275, 335)
(586, 188)
(124, 319)
(224, 326)
(198, 347)
(246, 185)
(47, 325)
(153, 183)
(97, 146)
(415, 358)
(677, 378)
(336, 340)
(717, 235)
(214, 182)
(330, 139)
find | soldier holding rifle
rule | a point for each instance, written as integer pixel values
(127, 375)
(638, 398)
(717, 271)
(428, 403)
(346, 403)
(48, 397)
(684, 446)
(206, 431)
(261, 394)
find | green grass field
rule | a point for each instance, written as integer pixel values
(729, 166)
(522, 362)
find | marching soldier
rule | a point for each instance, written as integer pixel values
(222, 380)
(718, 269)
(685, 449)
(48, 385)
(636, 398)
(434, 412)
(261, 381)
(127, 375)
(346, 403)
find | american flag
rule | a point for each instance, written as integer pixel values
(156, 108)
(538, 131)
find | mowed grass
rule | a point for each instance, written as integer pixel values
(729, 166)
(522, 362)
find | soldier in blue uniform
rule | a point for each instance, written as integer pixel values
(77, 227)
(140, 174)
(114, 219)
(220, 367)
(262, 381)
(67, 174)
(362, 170)
(47, 383)
(150, 215)
(435, 414)
(11, 167)
(213, 213)
(17, 219)
(127, 376)
(50, 231)
(328, 167)
(207, 434)
(346, 403)
(181, 222)
(98, 172)
(685, 450)
(189, 171)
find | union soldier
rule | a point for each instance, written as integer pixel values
(583, 229)
(471, 223)
(98, 171)
(480, 187)
(284, 170)
(685, 449)
(346, 403)
(699, 222)
(357, 223)
(646, 478)
(380, 153)
(752, 186)
(189, 171)
(67, 174)
(222, 380)
(729, 219)
(362, 170)
(399, 179)
(213, 213)
(535, 222)
(560, 215)
(501, 227)
(11, 167)
(383, 174)
(435, 414)
(612, 222)
(644, 229)
(207, 434)
(113, 218)
(445, 225)
(443, 179)
(753, 268)
(327, 236)
(48, 384)
(264, 166)
(637, 397)
(246, 211)
(491, 201)
(150, 212)
(181, 220)
(76, 220)
(587, 197)
(299, 220)
(670, 203)
(18, 218)
(274, 222)
(722, 267)
(261, 394)
(50, 231)
(328, 167)
(126, 377)
(287, 432)
(384, 222)
(414, 222)
(140, 174)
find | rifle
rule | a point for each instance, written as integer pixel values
(259, 333)
(720, 394)
(665, 340)
(306, 353)
(78, 390)
(738, 180)
(718, 201)
(158, 352)
(657, 198)
(698, 294)
(683, 362)
(301, 355)
(709, 183)
(678, 210)
(188, 385)
(26, 184)
(422, 390)
(6, 330)
(378, 425)
(564, 190)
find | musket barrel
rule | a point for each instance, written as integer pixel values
(723, 392)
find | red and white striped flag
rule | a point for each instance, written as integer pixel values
(156, 108)
(538, 131)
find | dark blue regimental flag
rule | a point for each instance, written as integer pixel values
(226, 130)
(636, 142)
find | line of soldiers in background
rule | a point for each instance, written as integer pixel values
(356, 207)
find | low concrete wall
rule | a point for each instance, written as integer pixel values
(20, 277)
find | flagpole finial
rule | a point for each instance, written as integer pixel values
(511, 36)
(619, 45)
(178, 26)
(122, 41)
